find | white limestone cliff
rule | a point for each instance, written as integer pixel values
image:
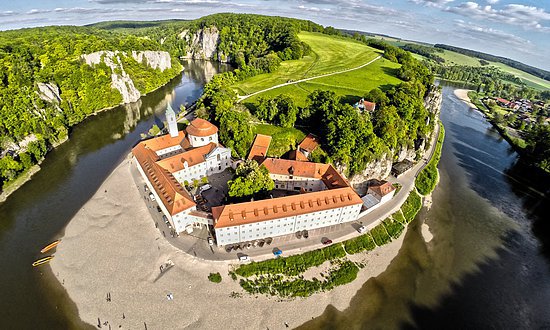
(120, 80)
(203, 44)
(155, 59)
(48, 92)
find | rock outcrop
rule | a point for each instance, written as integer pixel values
(155, 59)
(120, 80)
(49, 92)
(203, 44)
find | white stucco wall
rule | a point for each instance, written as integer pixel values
(286, 225)
(199, 141)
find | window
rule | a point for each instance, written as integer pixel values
(210, 138)
(202, 139)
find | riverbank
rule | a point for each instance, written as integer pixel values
(110, 247)
(26, 176)
(462, 94)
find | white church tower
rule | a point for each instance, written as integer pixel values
(172, 123)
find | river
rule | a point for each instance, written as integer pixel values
(488, 265)
(37, 212)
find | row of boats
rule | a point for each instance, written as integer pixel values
(47, 248)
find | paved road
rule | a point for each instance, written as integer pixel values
(306, 79)
(196, 244)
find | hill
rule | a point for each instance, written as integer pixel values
(328, 54)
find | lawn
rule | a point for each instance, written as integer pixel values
(528, 79)
(283, 139)
(350, 85)
(329, 54)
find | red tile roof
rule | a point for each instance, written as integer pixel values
(201, 127)
(269, 209)
(192, 157)
(164, 141)
(172, 195)
(369, 106)
(325, 172)
(309, 143)
(382, 189)
(297, 155)
(259, 148)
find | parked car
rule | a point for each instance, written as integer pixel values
(277, 252)
(327, 242)
(205, 187)
(362, 229)
(305, 234)
(152, 197)
(158, 209)
(164, 218)
(243, 257)
(210, 241)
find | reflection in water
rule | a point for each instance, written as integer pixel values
(37, 212)
(482, 269)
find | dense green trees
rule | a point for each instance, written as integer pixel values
(250, 178)
(538, 146)
(52, 55)
(279, 110)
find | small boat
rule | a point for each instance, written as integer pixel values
(42, 261)
(50, 246)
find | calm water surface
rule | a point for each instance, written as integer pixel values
(37, 213)
(488, 265)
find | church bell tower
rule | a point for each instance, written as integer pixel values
(172, 123)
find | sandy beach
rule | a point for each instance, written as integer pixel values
(462, 94)
(111, 246)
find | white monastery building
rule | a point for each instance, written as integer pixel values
(168, 162)
(318, 196)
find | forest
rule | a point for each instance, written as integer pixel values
(52, 55)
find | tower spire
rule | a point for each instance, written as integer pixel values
(171, 119)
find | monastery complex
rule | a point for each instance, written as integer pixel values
(317, 194)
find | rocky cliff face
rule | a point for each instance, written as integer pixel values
(203, 44)
(120, 80)
(155, 59)
(49, 92)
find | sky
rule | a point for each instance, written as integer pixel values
(517, 29)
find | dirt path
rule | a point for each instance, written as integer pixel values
(244, 97)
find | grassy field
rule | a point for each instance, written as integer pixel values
(454, 58)
(283, 139)
(352, 84)
(329, 54)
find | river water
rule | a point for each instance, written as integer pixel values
(488, 265)
(37, 212)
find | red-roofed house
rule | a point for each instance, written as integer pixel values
(365, 105)
(383, 191)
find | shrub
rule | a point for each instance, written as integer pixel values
(380, 235)
(411, 206)
(393, 227)
(427, 178)
(359, 244)
(215, 277)
(399, 217)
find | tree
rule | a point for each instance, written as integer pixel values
(250, 178)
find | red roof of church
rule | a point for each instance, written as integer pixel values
(201, 127)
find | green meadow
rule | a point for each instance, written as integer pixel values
(329, 54)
